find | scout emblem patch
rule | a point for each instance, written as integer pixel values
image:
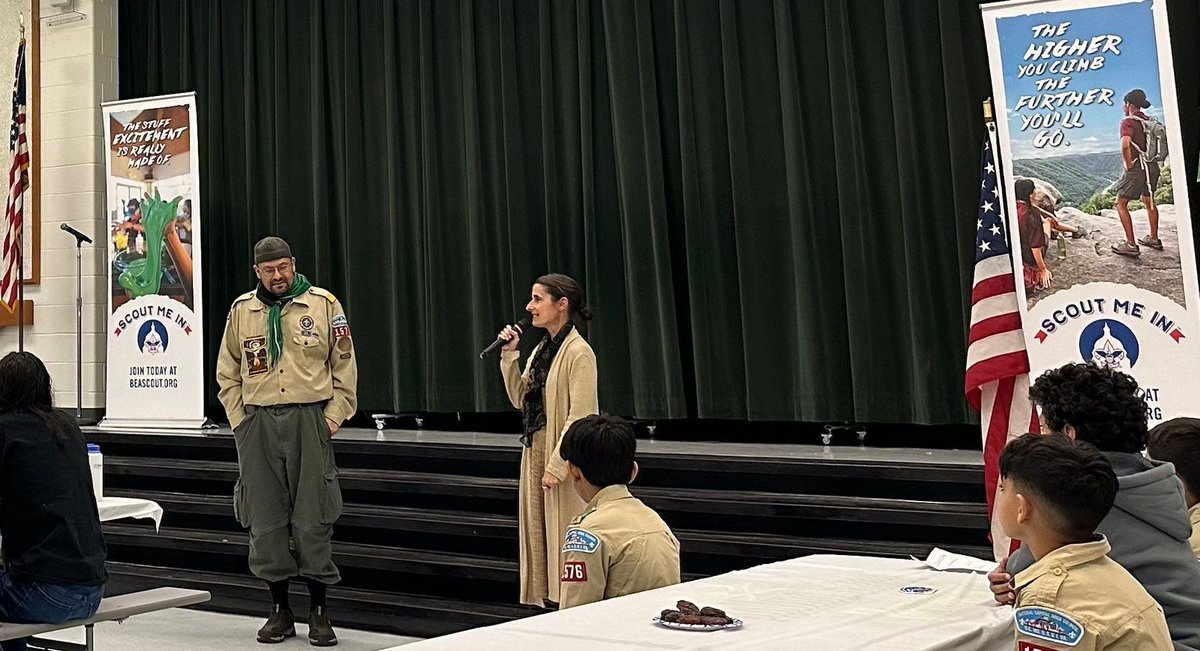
(255, 349)
(340, 327)
(1049, 625)
(306, 322)
(581, 540)
(574, 572)
(917, 589)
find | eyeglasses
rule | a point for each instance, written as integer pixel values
(283, 268)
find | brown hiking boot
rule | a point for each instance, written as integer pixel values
(1126, 249)
(280, 626)
(1152, 243)
(320, 631)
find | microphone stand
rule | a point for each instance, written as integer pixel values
(78, 329)
(80, 238)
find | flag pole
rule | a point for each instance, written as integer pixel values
(989, 118)
(21, 243)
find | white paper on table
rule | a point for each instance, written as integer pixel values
(943, 561)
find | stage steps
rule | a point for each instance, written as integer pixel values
(427, 510)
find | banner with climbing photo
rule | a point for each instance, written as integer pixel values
(1102, 239)
(155, 367)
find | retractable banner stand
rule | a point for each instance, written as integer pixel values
(155, 364)
(1088, 113)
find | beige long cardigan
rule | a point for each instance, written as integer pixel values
(570, 394)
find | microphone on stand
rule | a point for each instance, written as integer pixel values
(78, 236)
(521, 325)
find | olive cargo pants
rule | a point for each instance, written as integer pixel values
(288, 492)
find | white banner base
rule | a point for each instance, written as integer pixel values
(139, 425)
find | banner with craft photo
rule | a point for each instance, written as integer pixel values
(1101, 236)
(155, 365)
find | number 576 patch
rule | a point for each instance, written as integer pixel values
(574, 572)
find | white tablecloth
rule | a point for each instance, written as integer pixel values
(815, 602)
(115, 508)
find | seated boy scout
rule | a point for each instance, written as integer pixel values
(618, 545)
(1053, 493)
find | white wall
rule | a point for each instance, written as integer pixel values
(78, 72)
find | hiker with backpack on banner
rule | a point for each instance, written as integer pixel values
(1144, 149)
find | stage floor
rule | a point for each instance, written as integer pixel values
(654, 447)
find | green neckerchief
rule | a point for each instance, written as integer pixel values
(275, 304)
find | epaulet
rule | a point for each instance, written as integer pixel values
(244, 297)
(579, 518)
(323, 293)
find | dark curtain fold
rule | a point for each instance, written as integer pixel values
(770, 203)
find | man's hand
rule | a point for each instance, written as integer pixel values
(333, 427)
(1000, 582)
(549, 481)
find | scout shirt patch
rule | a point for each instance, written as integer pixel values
(917, 589)
(340, 327)
(574, 572)
(581, 540)
(255, 350)
(1029, 646)
(1049, 625)
(306, 326)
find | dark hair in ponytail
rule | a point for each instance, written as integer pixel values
(25, 386)
(562, 286)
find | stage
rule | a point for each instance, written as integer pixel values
(427, 541)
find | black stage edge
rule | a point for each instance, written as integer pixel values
(428, 541)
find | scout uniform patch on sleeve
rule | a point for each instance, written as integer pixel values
(1030, 646)
(582, 541)
(340, 327)
(574, 572)
(1050, 625)
(255, 349)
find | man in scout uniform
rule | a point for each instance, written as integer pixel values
(618, 546)
(1053, 493)
(287, 378)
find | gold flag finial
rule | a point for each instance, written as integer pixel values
(988, 114)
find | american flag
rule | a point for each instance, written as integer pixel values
(997, 380)
(18, 182)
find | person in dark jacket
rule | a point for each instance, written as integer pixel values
(1148, 526)
(49, 522)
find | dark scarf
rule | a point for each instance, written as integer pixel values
(533, 409)
(275, 305)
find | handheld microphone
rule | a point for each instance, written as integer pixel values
(522, 324)
(79, 237)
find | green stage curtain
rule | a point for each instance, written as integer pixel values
(770, 203)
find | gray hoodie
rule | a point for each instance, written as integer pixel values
(1148, 529)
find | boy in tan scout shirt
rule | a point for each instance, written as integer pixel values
(1177, 441)
(618, 546)
(1053, 493)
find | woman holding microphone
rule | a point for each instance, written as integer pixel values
(557, 388)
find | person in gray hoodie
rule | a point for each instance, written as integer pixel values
(1148, 526)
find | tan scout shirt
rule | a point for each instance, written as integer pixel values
(317, 363)
(1076, 598)
(618, 546)
(1195, 539)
